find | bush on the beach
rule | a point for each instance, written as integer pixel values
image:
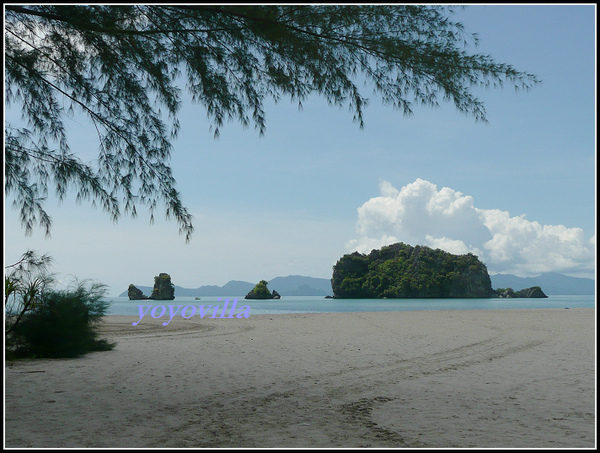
(63, 323)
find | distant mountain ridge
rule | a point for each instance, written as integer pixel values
(292, 285)
(551, 283)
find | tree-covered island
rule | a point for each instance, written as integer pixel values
(260, 291)
(402, 271)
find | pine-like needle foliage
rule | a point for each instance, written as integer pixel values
(122, 67)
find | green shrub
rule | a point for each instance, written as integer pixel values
(63, 323)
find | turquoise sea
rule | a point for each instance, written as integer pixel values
(311, 304)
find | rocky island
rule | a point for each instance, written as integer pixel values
(533, 292)
(402, 271)
(163, 289)
(260, 291)
(134, 293)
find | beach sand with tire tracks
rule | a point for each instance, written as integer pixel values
(437, 379)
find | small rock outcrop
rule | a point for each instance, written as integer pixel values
(163, 288)
(134, 293)
(533, 292)
(260, 291)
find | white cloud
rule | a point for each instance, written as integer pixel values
(455, 246)
(421, 214)
(365, 244)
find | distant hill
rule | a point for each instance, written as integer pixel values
(296, 285)
(292, 285)
(231, 288)
(551, 283)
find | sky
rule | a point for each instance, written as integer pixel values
(519, 191)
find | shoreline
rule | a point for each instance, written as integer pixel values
(518, 378)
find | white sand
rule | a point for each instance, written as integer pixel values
(477, 378)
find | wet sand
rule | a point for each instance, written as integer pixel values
(437, 379)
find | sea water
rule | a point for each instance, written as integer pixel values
(311, 304)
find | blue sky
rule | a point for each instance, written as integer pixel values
(518, 191)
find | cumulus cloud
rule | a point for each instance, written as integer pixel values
(421, 214)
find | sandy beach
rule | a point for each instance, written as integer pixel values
(424, 379)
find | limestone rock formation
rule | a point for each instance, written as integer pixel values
(260, 291)
(163, 288)
(134, 293)
(402, 271)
